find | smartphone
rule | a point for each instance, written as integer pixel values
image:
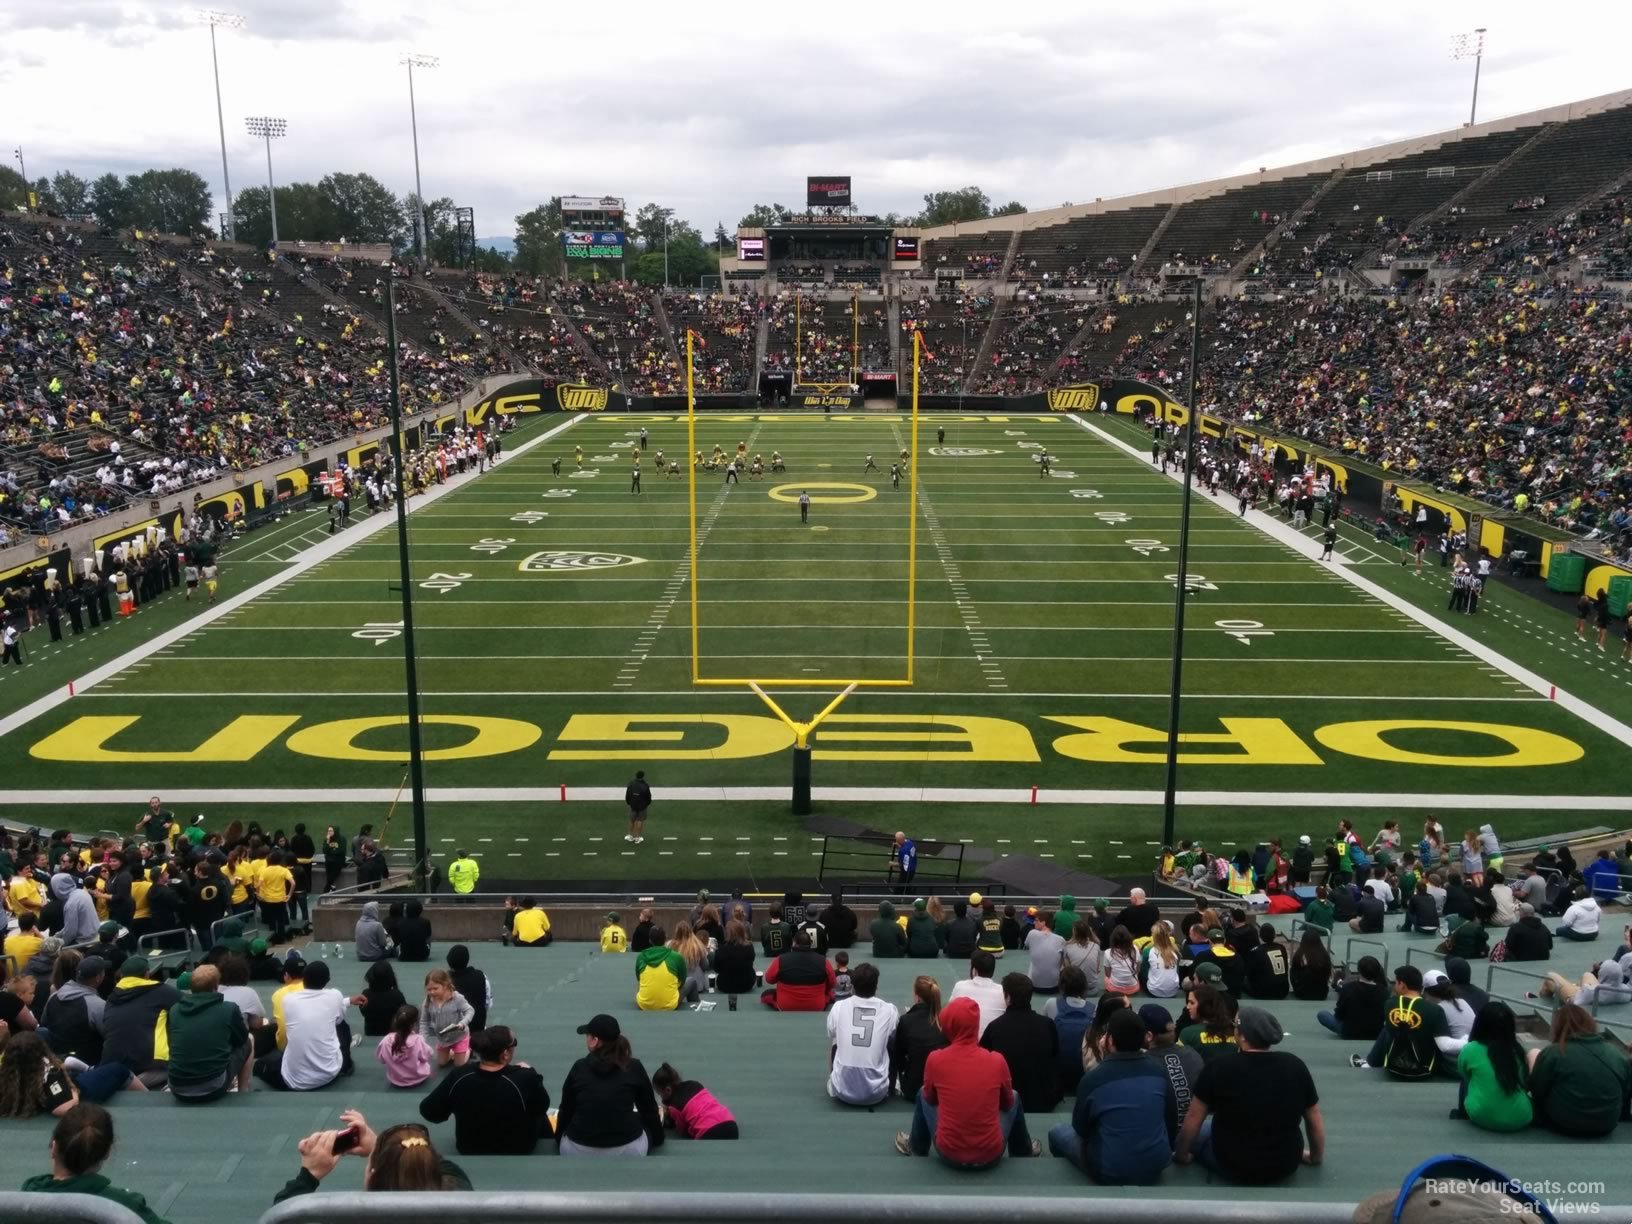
(345, 1140)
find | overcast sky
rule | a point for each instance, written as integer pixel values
(710, 107)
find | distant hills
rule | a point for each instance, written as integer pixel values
(504, 246)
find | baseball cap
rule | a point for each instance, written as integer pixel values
(1457, 1190)
(1156, 1018)
(602, 1028)
(920, 905)
(108, 930)
(1215, 933)
(90, 967)
(1208, 972)
(1259, 1027)
(1435, 977)
(258, 947)
(1304, 840)
(135, 966)
(1102, 905)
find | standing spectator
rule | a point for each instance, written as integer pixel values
(499, 1107)
(607, 1104)
(81, 1143)
(801, 979)
(1029, 1044)
(1126, 1117)
(860, 1030)
(444, 1018)
(209, 1042)
(135, 1021)
(903, 861)
(917, 1035)
(967, 1107)
(637, 796)
(472, 984)
(404, 1053)
(1140, 916)
(889, 940)
(317, 1049)
(1244, 1123)
(1580, 1085)
(334, 857)
(463, 873)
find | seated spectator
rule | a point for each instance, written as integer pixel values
(444, 1019)
(1415, 1041)
(1232, 967)
(734, 961)
(641, 937)
(840, 921)
(801, 979)
(472, 984)
(889, 940)
(1580, 1085)
(1213, 1034)
(1140, 916)
(263, 965)
(607, 1104)
(961, 932)
(1493, 1070)
(499, 1107)
(23, 943)
(317, 1048)
(813, 926)
(1501, 905)
(1581, 919)
(1459, 1015)
(1528, 939)
(1421, 911)
(1607, 983)
(968, 1108)
(1310, 969)
(690, 1110)
(842, 986)
(210, 1045)
(1084, 951)
(694, 955)
(917, 1035)
(1126, 1116)
(659, 973)
(81, 1143)
(1046, 949)
(526, 925)
(1159, 964)
(990, 938)
(1268, 973)
(133, 1021)
(404, 1054)
(1122, 963)
(1468, 939)
(1250, 1114)
(776, 936)
(979, 986)
(1181, 1064)
(1602, 877)
(1320, 912)
(923, 932)
(1028, 1042)
(1072, 1013)
(1461, 974)
(414, 934)
(373, 943)
(399, 1158)
(1371, 910)
(860, 1033)
(380, 1000)
(72, 1019)
(614, 939)
(33, 1080)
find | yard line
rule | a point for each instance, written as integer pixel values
(919, 695)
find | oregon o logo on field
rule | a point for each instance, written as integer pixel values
(577, 398)
(961, 452)
(1084, 398)
(857, 492)
(559, 560)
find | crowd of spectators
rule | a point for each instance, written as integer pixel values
(729, 329)
(953, 324)
(621, 323)
(1030, 351)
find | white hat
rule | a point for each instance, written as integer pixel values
(1304, 840)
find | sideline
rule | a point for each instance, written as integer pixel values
(1311, 549)
(313, 556)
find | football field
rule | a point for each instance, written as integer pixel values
(558, 653)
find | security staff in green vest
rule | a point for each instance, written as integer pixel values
(463, 873)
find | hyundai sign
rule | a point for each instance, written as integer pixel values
(592, 244)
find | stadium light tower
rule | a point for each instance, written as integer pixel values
(269, 129)
(232, 22)
(1466, 47)
(421, 238)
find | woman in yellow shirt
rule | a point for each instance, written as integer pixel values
(242, 870)
(273, 887)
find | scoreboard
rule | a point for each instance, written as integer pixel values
(592, 227)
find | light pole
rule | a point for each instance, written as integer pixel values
(232, 22)
(269, 129)
(421, 238)
(1470, 46)
(665, 248)
(24, 168)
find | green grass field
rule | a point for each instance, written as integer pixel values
(555, 648)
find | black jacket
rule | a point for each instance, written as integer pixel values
(1421, 912)
(1361, 1006)
(604, 1105)
(135, 1009)
(1030, 1044)
(472, 983)
(734, 968)
(414, 937)
(840, 921)
(1528, 939)
(917, 1036)
(495, 1113)
(961, 934)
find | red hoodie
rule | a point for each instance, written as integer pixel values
(969, 1086)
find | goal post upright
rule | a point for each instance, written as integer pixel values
(691, 501)
(912, 514)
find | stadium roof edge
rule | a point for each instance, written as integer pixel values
(1357, 157)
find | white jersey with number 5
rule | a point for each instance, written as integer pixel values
(860, 1032)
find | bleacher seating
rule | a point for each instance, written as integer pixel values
(976, 255)
(621, 324)
(1028, 341)
(953, 327)
(727, 326)
(1215, 231)
(1079, 252)
(814, 341)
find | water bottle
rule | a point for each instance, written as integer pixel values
(338, 953)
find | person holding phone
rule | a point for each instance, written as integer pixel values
(399, 1158)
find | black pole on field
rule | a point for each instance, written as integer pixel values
(1182, 580)
(416, 755)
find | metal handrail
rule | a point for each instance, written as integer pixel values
(1348, 949)
(15, 1205)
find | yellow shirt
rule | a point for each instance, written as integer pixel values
(26, 896)
(243, 878)
(530, 925)
(277, 1009)
(138, 896)
(20, 948)
(274, 884)
(614, 939)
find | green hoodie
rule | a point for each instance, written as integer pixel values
(204, 1031)
(232, 937)
(889, 940)
(1066, 916)
(924, 935)
(1583, 1088)
(94, 1184)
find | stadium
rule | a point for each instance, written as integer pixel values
(1221, 593)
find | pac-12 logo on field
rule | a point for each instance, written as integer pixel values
(1084, 398)
(556, 561)
(575, 398)
(960, 452)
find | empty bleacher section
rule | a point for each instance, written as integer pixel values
(975, 255)
(725, 361)
(621, 324)
(1215, 231)
(1028, 341)
(1079, 252)
(953, 326)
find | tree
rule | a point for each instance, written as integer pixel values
(109, 201)
(721, 238)
(949, 207)
(688, 262)
(72, 192)
(360, 209)
(1012, 208)
(761, 215)
(13, 190)
(651, 222)
(538, 240)
(491, 260)
(304, 213)
(174, 201)
(45, 199)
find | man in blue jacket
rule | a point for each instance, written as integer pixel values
(1602, 877)
(1126, 1119)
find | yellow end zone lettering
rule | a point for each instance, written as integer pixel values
(746, 735)
(977, 739)
(1258, 741)
(1527, 746)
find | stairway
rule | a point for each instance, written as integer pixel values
(1009, 256)
(668, 331)
(1273, 238)
(977, 364)
(1150, 243)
